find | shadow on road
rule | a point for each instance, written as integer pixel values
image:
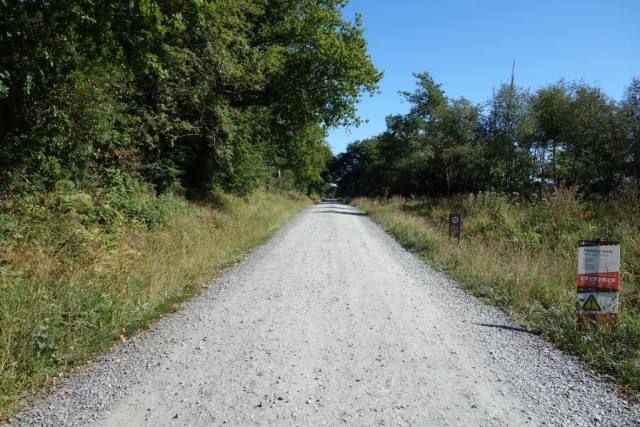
(508, 328)
(341, 212)
(346, 208)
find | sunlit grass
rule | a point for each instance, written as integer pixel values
(71, 290)
(522, 257)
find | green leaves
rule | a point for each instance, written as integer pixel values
(4, 90)
(563, 134)
(228, 92)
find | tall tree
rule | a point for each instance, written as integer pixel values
(549, 108)
(591, 155)
(563, 134)
(508, 138)
(458, 150)
(630, 117)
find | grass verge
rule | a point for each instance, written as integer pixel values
(521, 256)
(78, 271)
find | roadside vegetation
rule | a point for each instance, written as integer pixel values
(78, 275)
(521, 255)
(144, 146)
(532, 172)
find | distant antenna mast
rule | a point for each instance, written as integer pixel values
(513, 73)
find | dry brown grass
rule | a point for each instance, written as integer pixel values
(522, 257)
(71, 290)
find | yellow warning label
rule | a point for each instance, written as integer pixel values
(591, 304)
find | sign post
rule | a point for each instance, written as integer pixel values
(599, 278)
(455, 225)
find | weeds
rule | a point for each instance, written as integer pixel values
(80, 269)
(521, 255)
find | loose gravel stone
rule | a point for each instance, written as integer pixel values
(333, 308)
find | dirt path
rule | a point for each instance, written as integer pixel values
(333, 323)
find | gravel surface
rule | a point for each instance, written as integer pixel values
(333, 323)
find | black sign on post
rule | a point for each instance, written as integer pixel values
(455, 225)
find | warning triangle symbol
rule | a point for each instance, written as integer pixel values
(591, 304)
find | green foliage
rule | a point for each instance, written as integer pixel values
(630, 125)
(530, 143)
(198, 94)
(80, 267)
(110, 113)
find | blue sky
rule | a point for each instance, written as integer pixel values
(469, 46)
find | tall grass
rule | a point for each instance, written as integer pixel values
(522, 257)
(77, 273)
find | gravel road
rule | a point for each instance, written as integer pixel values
(333, 323)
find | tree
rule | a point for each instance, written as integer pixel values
(508, 138)
(458, 153)
(549, 107)
(563, 134)
(225, 93)
(630, 117)
(592, 156)
(356, 171)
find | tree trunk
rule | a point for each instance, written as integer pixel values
(553, 165)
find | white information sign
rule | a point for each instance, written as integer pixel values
(598, 277)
